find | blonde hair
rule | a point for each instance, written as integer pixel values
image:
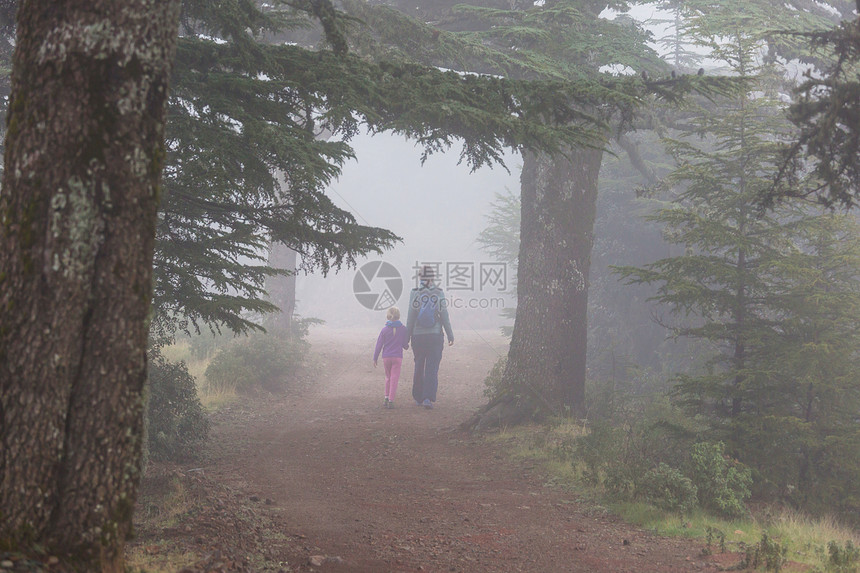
(393, 313)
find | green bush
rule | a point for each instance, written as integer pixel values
(667, 488)
(768, 553)
(176, 422)
(842, 559)
(258, 361)
(597, 449)
(609, 460)
(723, 484)
(619, 481)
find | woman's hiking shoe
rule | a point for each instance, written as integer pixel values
(385, 403)
(427, 403)
(389, 404)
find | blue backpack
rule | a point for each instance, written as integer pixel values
(428, 312)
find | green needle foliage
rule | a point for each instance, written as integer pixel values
(259, 127)
(559, 41)
(501, 239)
(774, 293)
(827, 111)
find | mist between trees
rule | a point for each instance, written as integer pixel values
(677, 279)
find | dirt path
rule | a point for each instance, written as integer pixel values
(403, 490)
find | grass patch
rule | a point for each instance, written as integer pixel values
(554, 441)
(163, 502)
(791, 524)
(158, 558)
(813, 541)
(181, 351)
(212, 396)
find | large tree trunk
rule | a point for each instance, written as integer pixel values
(546, 361)
(84, 150)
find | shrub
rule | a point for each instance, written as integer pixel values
(713, 534)
(619, 481)
(258, 361)
(842, 559)
(767, 552)
(300, 327)
(597, 449)
(176, 422)
(723, 484)
(667, 488)
(609, 459)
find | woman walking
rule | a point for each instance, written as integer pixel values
(428, 316)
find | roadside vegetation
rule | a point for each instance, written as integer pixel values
(721, 391)
(196, 375)
(768, 536)
(640, 473)
(190, 380)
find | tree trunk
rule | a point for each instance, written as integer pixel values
(546, 360)
(282, 289)
(84, 150)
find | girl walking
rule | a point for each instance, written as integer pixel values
(392, 341)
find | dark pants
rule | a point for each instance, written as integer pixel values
(427, 350)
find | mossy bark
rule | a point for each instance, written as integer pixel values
(84, 150)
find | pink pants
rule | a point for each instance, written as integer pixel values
(392, 376)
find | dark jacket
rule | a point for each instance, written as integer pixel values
(416, 295)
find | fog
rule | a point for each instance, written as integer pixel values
(438, 209)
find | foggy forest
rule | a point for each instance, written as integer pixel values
(349, 285)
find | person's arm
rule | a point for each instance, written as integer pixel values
(446, 321)
(411, 315)
(378, 346)
(403, 337)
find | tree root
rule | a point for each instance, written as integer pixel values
(506, 410)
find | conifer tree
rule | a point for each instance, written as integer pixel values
(802, 436)
(758, 286)
(501, 239)
(826, 110)
(245, 166)
(566, 40)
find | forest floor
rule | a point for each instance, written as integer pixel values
(323, 478)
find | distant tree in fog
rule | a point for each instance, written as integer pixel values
(501, 239)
